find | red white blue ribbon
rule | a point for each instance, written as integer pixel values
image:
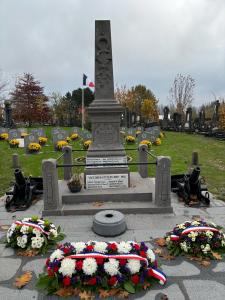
(189, 229)
(30, 224)
(154, 272)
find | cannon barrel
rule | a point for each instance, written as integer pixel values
(20, 180)
(194, 177)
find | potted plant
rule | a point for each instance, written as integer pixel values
(74, 184)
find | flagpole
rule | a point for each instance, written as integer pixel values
(82, 122)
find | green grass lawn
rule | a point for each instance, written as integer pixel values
(179, 146)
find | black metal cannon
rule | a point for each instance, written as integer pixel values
(190, 187)
(24, 191)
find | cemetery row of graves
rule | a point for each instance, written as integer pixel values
(48, 143)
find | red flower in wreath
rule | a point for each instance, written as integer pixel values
(79, 265)
(112, 247)
(135, 279)
(89, 248)
(66, 281)
(92, 281)
(112, 281)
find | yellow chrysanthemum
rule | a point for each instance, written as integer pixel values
(42, 140)
(138, 132)
(130, 139)
(61, 144)
(161, 135)
(74, 136)
(146, 142)
(87, 143)
(23, 134)
(158, 142)
(4, 136)
(14, 142)
(34, 147)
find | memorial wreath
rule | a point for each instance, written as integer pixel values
(196, 238)
(33, 234)
(100, 266)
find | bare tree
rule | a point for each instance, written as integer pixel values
(181, 92)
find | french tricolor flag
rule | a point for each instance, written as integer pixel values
(86, 82)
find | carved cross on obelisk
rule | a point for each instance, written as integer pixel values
(105, 112)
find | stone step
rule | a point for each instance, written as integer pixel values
(133, 207)
(141, 189)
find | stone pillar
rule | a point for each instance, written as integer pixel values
(143, 158)
(67, 160)
(163, 182)
(194, 159)
(52, 201)
(15, 161)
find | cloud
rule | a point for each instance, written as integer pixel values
(152, 41)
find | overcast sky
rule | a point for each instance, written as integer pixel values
(152, 41)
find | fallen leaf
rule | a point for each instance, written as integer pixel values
(114, 291)
(28, 253)
(86, 295)
(103, 293)
(23, 280)
(123, 294)
(158, 251)
(160, 242)
(67, 291)
(205, 263)
(217, 255)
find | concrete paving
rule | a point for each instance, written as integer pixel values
(186, 279)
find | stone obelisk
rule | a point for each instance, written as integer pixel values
(105, 114)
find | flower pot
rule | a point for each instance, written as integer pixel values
(75, 189)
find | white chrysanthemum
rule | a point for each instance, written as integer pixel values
(209, 234)
(181, 226)
(89, 266)
(24, 229)
(21, 242)
(57, 254)
(79, 246)
(112, 267)
(36, 232)
(195, 223)
(223, 243)
(124, 247)
(54, 232)
(150, 255)
(206, 249)
(133, 265)
(100, 247)
(193, 235)
(168, 239)
(37, 242)
(184, 246)
(67, 267)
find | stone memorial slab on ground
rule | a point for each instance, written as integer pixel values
(153, 132)
(22, 131)
(3, 130)
(75, 130)
(105, 114)
(131, 131)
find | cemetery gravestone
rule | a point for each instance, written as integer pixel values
(59, 136)
(75, 130)
(3, 130)
(105, 115)
(31, 138)
(14, 134)
(8, 114)
(153, 133)
(39, 132)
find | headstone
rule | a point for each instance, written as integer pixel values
(59, 136)
(153, 133)
(140, 128)
(188, 122)
(56, 130)
(22, 130)
(215, 118)
(145, 136)
(39, 132)
(14, 134)
(165, 121)
(177, 120)
(3, 130)
(75, 130)
(28, 139)
(105, 116)
(131, 131)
